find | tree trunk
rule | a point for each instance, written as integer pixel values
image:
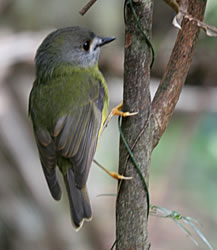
(131, 231)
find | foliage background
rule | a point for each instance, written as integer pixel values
(183, 174)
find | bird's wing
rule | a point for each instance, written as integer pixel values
(76, 134)
(76, 137)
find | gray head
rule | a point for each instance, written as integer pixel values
(71, 45)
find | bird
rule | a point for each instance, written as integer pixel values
(68, 105)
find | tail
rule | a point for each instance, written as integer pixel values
(78, 200)
(53, 184)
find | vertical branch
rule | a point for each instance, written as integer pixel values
(131, 210)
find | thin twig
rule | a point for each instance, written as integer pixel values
(87, 7)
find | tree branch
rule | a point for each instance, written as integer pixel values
(131, 210)
(87, 7)
(169, 90)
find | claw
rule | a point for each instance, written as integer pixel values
(117, 111)
(114, 175)
(117, 176)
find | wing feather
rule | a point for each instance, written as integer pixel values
(77, 139)
(79, 135)
(48, 158)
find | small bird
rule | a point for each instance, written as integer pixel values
(68, 106)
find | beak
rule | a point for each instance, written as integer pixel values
(105, 40)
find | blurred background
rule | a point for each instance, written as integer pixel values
(183, 174)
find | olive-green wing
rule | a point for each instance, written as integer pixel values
(76, 137)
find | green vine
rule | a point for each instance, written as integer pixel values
(142, 32)
(135, 165)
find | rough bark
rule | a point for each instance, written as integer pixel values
(131, 231)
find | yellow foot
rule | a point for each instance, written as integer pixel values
(112, 174)
(117, 111)
(117, 176)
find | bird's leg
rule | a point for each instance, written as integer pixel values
(114, 175)
(117, 111)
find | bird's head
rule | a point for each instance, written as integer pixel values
(74, 46)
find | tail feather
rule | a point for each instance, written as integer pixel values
(53, 184)
(78, 200)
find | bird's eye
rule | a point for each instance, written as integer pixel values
(86, 45)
